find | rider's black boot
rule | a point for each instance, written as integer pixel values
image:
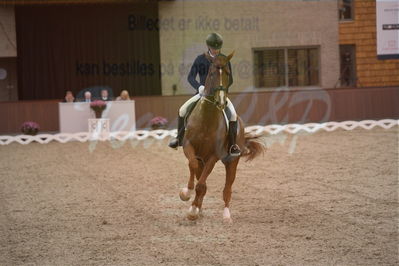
(178, 141)
(234, 149)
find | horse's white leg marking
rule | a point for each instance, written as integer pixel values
(185, 194)
(193, 213)
(226, 215)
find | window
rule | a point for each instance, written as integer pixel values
(271, 68)
(347, 62)
(286, 67)
(345, 9)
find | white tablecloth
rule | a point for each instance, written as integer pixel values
(74, 116)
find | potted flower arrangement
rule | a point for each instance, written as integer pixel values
(30, 128)
(98, 107)
(158, 122)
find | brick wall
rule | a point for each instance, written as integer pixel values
(361, 32)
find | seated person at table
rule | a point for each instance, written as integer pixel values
(104, 96)
(124, 96)
(87, 97)
(69, 97)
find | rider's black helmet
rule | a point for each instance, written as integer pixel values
(214, 41)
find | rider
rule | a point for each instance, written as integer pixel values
(200, 67)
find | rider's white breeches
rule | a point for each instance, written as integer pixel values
(230, 106)
(196, 97)
(183, 108)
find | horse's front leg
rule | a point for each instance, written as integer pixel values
(200, 189)
(185, 193)
(231, 170)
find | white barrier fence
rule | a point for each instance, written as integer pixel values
(161, 134)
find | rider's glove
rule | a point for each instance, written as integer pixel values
(201, 90)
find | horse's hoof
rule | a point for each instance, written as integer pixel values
(227, 221)
(185, 194)
(192, 217)
(226, 216)
(193, 213)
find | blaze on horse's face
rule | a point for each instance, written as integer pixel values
(219, 79)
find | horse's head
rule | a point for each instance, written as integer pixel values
(218, 79)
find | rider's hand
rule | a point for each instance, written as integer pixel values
(201, 90)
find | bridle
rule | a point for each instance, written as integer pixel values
(211, 97)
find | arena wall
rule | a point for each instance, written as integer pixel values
(256, 108)
(245, 26)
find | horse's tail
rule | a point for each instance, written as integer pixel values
(253, 147)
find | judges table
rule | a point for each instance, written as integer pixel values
(74, 116)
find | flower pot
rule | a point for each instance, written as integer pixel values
(30, 128)
(155, 127)
(98, 113)
(31, 132)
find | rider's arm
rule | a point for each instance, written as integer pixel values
(193, 74)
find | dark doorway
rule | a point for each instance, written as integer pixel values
(348, 70)
(8, 79)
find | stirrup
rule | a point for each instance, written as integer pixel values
(235, 150)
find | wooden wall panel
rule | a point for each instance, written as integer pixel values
(13, 114)
(77, 47)
(262, 108)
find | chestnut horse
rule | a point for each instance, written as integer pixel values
(205, 141)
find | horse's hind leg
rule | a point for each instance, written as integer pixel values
(231, 170)
(198, 175)
(198, 171)
(185, 193)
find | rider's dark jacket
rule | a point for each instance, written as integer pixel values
(201, 67)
